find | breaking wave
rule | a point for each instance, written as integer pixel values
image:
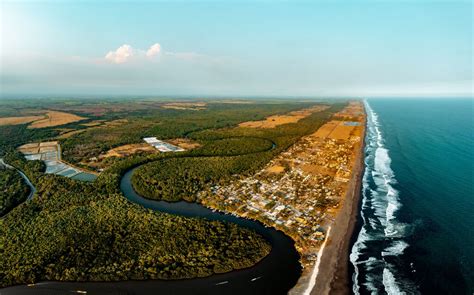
(382, 234)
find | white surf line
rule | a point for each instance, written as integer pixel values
(314, 274)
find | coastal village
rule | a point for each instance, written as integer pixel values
(301, 190)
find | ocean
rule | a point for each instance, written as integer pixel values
(415, 233)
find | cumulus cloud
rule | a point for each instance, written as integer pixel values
(153, 50)
(121, 55)
(126, 53)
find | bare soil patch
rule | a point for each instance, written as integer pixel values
(29, 145)
(48, 144)
(326, 129)
(341, 132)
(114, 123)
(276, 120)
(129, 149)
(276, 169)
(93, 123)
(184, 143)
(30, 148)
(317, 170)
(194, 106)
(39, 147)
(71, 133)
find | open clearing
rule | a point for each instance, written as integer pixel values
(194, 106)
(49, 119)
(276, 169)
(338, 130)
(184, 143)
(326, 129)
(92, 125)
(19, 120)
(276, 120)
(317, 170)
(341, 132)
(129, 149)
(68, 134)
(55, 118)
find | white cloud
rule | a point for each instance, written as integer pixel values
(127, 53)
(121, 55)
(153, 50)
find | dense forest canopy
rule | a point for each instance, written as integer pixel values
(53, 234)
(13, 189)
(53, 230)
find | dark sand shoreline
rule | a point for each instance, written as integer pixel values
(334, 275)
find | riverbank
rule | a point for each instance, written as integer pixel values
(333, 258)
(27, 180)
(275, 273)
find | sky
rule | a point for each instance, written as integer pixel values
(237, 48)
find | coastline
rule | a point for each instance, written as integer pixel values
(334, 279)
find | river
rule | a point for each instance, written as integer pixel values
(28, 182)
(277, 273)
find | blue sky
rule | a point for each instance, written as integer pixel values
(264, 48)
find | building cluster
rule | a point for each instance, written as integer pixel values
(297, 192)
(162, 146)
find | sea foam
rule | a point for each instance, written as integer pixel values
(380, 203)
(391, 286)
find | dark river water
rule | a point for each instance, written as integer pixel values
(277, 273)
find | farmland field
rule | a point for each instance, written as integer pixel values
(276, 120)
(19, 120)
(55, 118)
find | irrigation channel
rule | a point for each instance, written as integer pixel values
(275, 274)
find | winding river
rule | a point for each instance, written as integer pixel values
(277, 273)
(27, 181)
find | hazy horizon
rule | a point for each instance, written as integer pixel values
(254, 49)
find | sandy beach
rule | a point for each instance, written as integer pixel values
(332, 273)
(334, 279)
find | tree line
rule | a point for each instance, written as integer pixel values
(13, 189)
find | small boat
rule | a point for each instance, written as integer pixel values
(222, 283)
(254, 279)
